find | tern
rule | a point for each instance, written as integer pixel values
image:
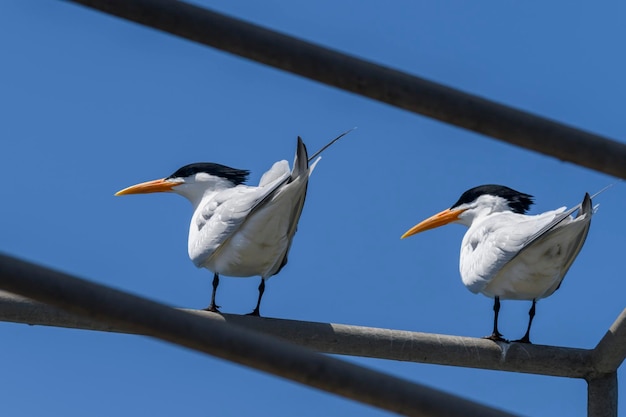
(239, 230)
(510, 255)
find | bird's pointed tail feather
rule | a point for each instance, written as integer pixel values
(301, 161)
(586, 206)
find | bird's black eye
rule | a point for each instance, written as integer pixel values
(236, 176)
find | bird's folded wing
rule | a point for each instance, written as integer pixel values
(496, 242)
(285, 200)
(295, 191)
(290, 197)
(503, 240)
(223, 215)
(584, 209)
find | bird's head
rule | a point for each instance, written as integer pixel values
(476, 202)
(192, 181)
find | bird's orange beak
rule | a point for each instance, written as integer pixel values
(439, 219)
(156, 186)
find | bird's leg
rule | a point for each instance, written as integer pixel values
(213, 307)
(255, 312)
(496, 336)
(531, 314)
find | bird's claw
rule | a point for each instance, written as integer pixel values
(496, 337)
(213, 308)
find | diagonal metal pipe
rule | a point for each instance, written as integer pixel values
(610, 352)
(374, 81)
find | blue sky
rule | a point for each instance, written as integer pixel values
(91, 104)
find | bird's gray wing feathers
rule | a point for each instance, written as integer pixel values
(498, 245)
(300, 172)
(492, 245)
(226, 212)
(300, 166)
(584, 208)
(577, 230)
(276, 187)
(297, 183)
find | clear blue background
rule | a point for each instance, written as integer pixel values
(90, 104)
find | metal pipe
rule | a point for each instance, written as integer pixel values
(344, 339)
(610, 352)
(375, 81)
(602, 396)
(139, 315)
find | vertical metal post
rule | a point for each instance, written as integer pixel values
(602, 396)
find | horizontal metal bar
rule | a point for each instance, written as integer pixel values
(602, 396)
(133, 314)
(377, 82)
(610, 352)
(357, 341)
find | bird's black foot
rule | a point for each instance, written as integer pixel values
(255, 313)
(213, 308)
(524, 339)
(496, 337)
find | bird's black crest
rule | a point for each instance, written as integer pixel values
(236, 176)
(518, 202)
